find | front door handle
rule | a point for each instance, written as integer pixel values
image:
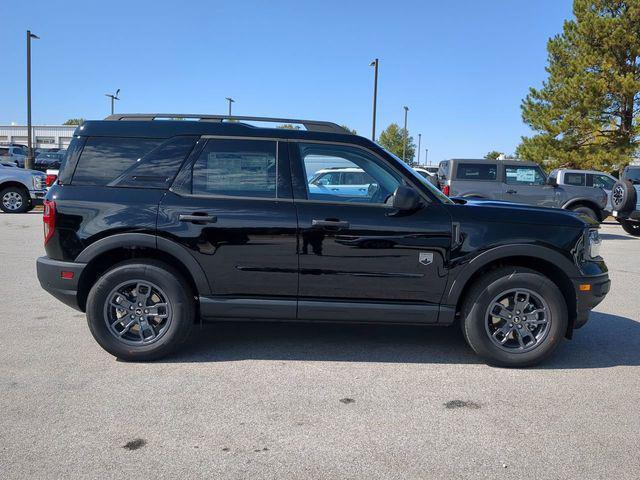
(197, 218)
(330, 223)
(512, 191)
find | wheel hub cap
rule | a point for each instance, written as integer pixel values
(12, 200)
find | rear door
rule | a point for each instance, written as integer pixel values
(231, 207)
(359, 258)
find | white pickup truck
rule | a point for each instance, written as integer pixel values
(20, 189)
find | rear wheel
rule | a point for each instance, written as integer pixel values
(14, 200)
(589, 212)
(140, 310)
(632, 228)
(514, 317)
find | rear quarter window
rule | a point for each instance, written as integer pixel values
(477, 171)
(103, 159)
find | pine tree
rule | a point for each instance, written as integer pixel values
(392, 138)
(586, 113)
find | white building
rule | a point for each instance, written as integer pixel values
(44, 136)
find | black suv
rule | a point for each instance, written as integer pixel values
(156, 222)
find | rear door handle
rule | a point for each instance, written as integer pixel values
(195, 218)
(330, 223)
(512, 191)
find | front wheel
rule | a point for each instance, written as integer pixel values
(632, 228)
(140, 310)
(588, 212)
(514, 317)
(14, 200)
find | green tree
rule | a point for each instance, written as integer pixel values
(392, 138)
(492, 155)
(289, 126)
(74, 121)
(586, 113)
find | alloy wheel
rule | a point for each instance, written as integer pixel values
(137, 312)
(518, 320)
(12, 201)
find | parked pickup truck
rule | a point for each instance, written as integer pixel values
(517, 182)
(20, 190)
(625, 200)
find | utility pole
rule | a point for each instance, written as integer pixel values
(113, 97)
(404, 144)
(230, 100)
(374, 64)
(419, 142)
(28, 163)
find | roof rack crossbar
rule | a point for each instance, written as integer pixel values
(310, 125)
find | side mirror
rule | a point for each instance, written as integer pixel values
(552, 181)
(405, 199)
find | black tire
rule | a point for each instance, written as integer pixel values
(179, 296)
(632, 228)
(14, 200)
(623, 196)
(474, 316)
(589, 212)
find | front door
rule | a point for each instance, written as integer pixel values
(360, 259)
(527, 184)
(232, 207)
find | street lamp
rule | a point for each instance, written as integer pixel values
(230, 100)
(419, 142)
(404, 144)
(426, 156)
(28, 163)
(374, 64)
(113, 98)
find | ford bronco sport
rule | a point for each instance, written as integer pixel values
(154, 224)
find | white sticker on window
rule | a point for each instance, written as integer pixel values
(526, 175)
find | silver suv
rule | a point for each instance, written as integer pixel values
(586, 178)
(517, 182)
(20, 190)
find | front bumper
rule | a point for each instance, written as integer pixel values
(50, 276)
(590, 291)
(37, 196)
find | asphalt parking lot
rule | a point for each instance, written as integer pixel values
(299, 401)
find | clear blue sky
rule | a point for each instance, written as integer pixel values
(462, 67)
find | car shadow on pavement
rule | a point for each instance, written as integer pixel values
(605, 341)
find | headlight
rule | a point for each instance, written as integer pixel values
(38, 182)
(593, 244)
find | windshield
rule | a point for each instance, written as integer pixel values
(633, 174)
(420, 179)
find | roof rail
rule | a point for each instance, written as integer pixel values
(309, 125)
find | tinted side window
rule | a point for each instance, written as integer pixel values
(104, 159)
(443, 170)
(477, 171)
(242, 168)
(157, 168)
(525, 175)
(4, 152)
(632, 173)
(578, 179)
(602, 181)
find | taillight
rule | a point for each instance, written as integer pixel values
(49, 219)
(51, 178)
(446, 190)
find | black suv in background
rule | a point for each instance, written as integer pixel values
(155, 223)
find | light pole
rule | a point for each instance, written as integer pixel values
(113, 98)
(404, 144)
(230, 100)
(28, 163)
(426, 156)
(374, 64)
(419, 142)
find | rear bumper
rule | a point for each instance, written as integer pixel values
(37, 196)
(51, 279)
(587, 300)
(633, 215)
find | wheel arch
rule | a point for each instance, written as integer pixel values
(541, 259)
(15, 183)
(104, 253)
(584, 202)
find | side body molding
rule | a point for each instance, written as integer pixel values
(534, 252)
(147, 240)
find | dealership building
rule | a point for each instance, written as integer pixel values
(44, 136)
